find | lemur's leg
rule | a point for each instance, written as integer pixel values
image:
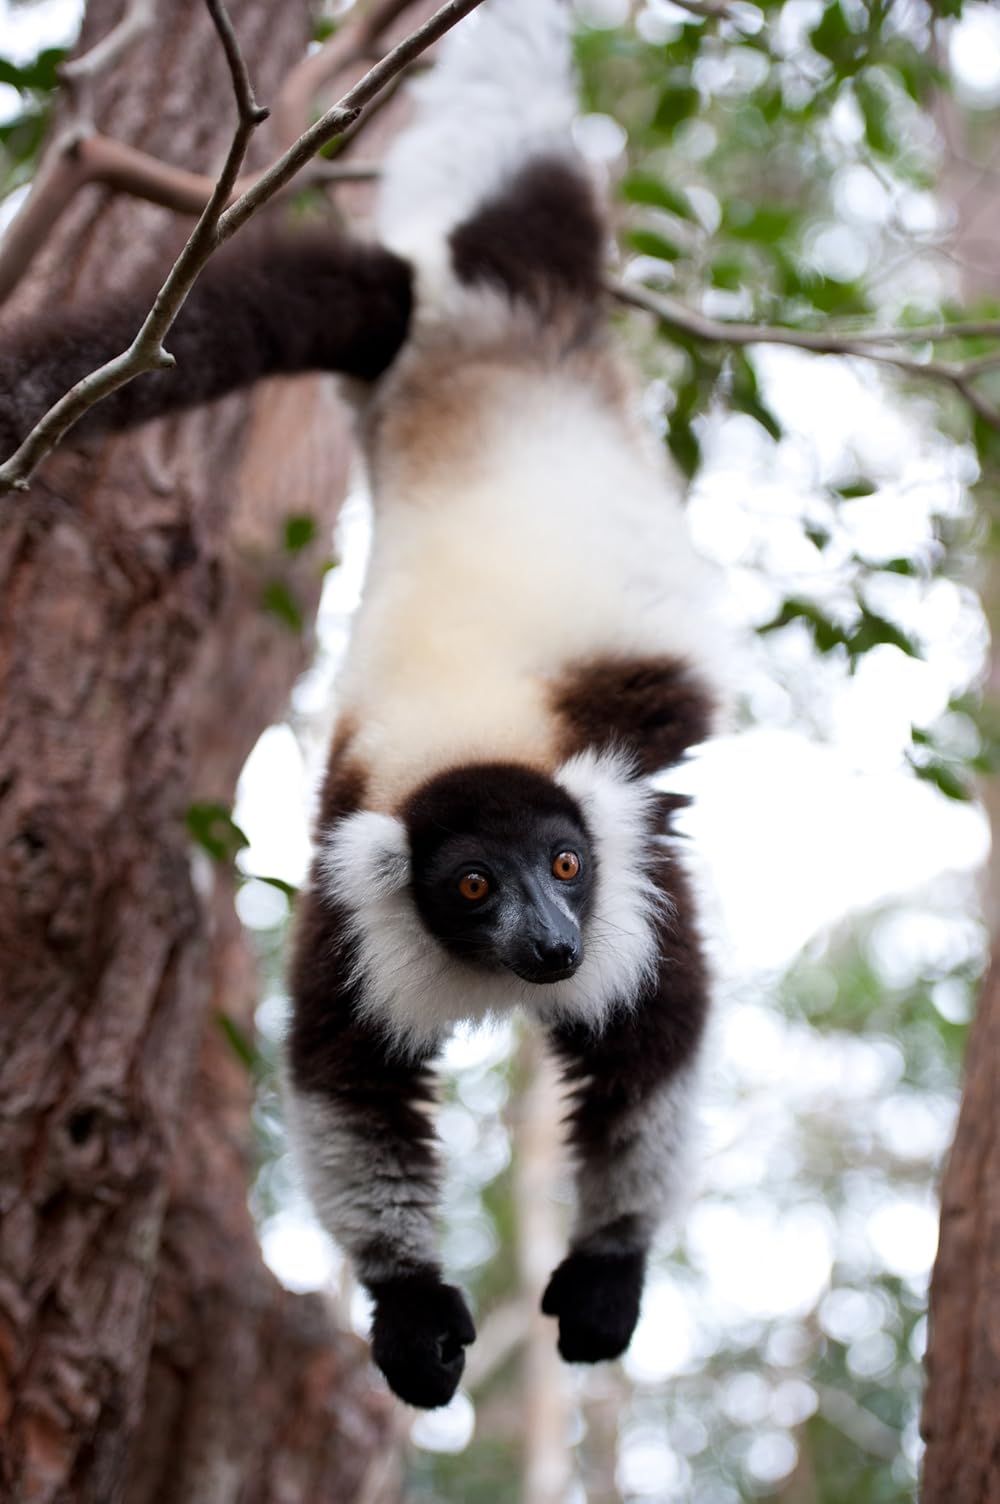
(654, 708)
(629, 1128)
(273, 305)
(358, 1117)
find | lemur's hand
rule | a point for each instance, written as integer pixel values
(596, 1297)
(419, 1335)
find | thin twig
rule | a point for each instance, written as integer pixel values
(688, 321)
(710, 10)
(350, 44)
(344, 113)
(146, 352)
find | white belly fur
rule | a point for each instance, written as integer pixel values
(552, 534)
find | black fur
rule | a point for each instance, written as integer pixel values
(641, 1047)
(540, 240)
(654, 708)
(596, 1297)
(507, 825)
(334, 1053)
(613, 1073)
(272, 306)
(420, 1331)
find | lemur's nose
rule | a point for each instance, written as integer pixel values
(559, 957)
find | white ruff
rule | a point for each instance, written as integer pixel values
(418, 991)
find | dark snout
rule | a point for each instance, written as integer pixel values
(547, 946)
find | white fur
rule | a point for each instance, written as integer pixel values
(417, 991)
(365, 1189)
(550, 533)
(501, 92)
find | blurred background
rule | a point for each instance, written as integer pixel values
(815, 167)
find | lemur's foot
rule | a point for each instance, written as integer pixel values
(596, 1297)
(419, 1334)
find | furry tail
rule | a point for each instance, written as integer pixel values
(485, 192)
(500, 93)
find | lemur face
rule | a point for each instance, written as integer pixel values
(502, 870)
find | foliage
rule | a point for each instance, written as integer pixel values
(22, 134)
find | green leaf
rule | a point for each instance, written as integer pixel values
(767, 223)
(745, 395)
(240, 1042)
(215, 831)
(300, 530)
(727, 273)
(874, 108)
(676, 103)
(281, 603)
(851, 490)
(639, 188)
(39, 76)
(683, 443)
(649, 243)
(876, 631)
(290, 891)
(833, 38)
(944, 778)
(826, 634)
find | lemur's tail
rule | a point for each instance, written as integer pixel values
(485, 192)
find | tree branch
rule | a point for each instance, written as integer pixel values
(80, 155)
(146, 352)
(344, 113)
(79, 73)
(956, 374)
(350, 44)
(217, 224)
(709, 10)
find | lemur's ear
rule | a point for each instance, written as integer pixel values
(276, 305)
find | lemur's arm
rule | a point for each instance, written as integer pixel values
(358, 1115)
(278, 305)
(629, 1126)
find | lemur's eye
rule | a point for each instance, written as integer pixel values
(473, 886)
(566, 865)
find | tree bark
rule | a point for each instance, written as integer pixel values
(961, 1419)
(145, 1352)
(961, 1411)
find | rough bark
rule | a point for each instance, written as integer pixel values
(961, 1419)
(137, 668)
(961, 1411)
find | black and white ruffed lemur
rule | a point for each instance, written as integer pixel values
(533, 643)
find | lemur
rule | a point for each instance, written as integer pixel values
(533, 643)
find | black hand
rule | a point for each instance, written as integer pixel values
(596, 1297)
(419, 1335)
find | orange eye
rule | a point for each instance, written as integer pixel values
(566, 865)
(473, 886)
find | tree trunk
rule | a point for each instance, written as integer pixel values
(962, 1406)
(961, 1411)
(145, 1352)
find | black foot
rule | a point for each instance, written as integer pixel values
(419, 1335)
(596, 1297)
